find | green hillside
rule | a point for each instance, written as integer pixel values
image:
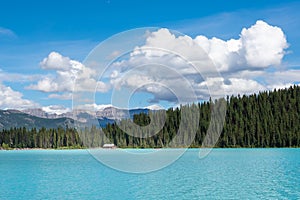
(13, 118)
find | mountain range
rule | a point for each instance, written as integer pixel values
(38, 117)
(16, 118)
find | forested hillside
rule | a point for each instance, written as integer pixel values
(268, 119)
(42, 138)
(14, 118)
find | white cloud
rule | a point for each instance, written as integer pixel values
(48, 85)
(263, 45)
(155, 107)
(242, 86)
(164, 66)
(13, 99)
(57, 62)
(56, 109)
(67, 71)
(231, 86)
(282, 79)
(239, 60)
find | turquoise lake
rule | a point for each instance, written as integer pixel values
(223, 174)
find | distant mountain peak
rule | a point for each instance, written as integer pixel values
(101, 113)
(155, 107)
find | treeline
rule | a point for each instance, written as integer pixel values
(267, 119)
(42, 138)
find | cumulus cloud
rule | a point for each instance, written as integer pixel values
(239, 61)
(67, 71)
(10, 99)
(263, 45)
(57, 62)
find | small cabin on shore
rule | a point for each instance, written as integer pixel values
(109, 146)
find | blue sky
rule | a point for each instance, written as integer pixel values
(31, 30)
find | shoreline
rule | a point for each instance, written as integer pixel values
(58, 149)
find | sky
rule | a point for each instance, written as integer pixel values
(92, 53)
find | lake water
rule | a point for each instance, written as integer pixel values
(223, 174)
